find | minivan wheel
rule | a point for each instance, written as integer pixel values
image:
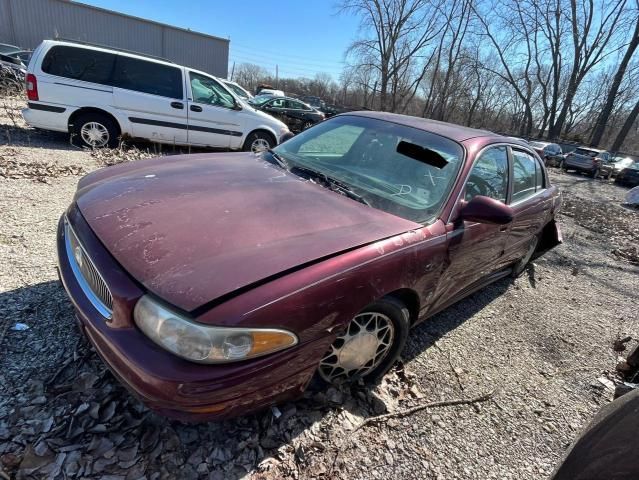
(94, 130)
(257, 142)
(370, 344)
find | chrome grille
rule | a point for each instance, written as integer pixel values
(87, 275)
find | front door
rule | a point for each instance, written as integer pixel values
(476, 249)
(213, 120)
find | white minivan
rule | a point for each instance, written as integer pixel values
(99, 94)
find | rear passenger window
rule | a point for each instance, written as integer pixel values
(79, 63)
(524, 175)
(489, 176)
(148, 77)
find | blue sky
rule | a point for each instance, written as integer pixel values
(302, 37)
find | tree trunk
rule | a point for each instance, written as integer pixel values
(604, 115)
(623, 133)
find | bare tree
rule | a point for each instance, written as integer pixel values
(399, 30)
(604, 115)
(594, 30)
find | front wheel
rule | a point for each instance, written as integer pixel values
(370, 345)
(257, 142)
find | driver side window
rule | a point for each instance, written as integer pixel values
(489, 176)
(206, 90)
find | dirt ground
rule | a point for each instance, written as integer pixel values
(538, 345)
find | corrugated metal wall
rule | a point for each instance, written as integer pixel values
(27, 22)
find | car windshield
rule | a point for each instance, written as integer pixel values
(398, 169)
(260, 99)
(589, 153)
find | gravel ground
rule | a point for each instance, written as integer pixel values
(538, 345)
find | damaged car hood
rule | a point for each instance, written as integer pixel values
(195, 228)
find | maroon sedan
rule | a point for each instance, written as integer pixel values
(216, 284)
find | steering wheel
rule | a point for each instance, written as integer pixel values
(478, 186)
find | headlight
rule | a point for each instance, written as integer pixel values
(203, 343)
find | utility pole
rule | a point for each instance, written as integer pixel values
(232, 71)
(277, 77)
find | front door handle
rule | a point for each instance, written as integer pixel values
(196, 108)
(178, 105)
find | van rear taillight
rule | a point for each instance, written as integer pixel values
(32, 87)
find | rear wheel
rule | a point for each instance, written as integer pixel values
(257, 142)
(370, 345)
(96, 130)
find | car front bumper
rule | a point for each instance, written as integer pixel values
(163, 382)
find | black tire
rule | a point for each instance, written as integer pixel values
(399, 316)
(258, 138)
(520, 266)
(110, 125)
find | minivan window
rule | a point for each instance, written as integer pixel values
(79, 64)
(148, 77)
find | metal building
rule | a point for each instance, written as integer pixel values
(27, 22)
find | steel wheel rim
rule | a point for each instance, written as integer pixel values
(259, 145)
(94, 134)
(360, 349)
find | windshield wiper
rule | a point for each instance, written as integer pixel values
(331, 183)
(278, 159)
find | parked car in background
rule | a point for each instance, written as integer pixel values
(629, 176)
(238, 90)
(270, 91)
(98, 94)
(615, 165)
(233, 279)
(23, 55)
(13, 63)
(316, 102)
(6, 48)
(296, 114)
(550, 153)
(586, 159)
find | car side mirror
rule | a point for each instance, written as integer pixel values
(486, 210)
(237, 106)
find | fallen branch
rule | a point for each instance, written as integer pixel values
(417, 408)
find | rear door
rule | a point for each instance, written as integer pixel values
(151, 95)
(213, 120)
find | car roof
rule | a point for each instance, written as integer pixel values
(450, 130)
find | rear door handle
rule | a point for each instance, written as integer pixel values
(196, 108)
(178, 105)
